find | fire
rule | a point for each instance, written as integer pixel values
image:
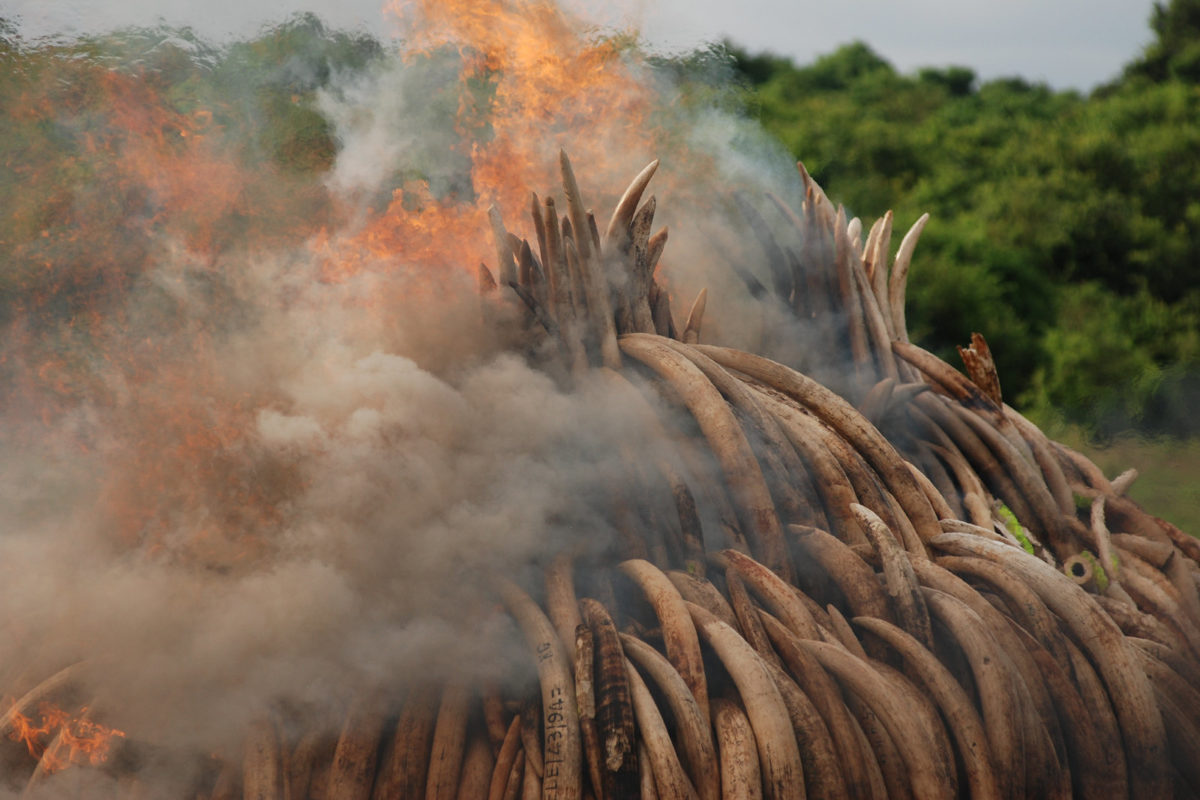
(138, 222)
(137, 225)
(135, 196)
(59, 739)
(529, 78)
(144, 197)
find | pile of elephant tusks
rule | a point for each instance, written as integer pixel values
(899, 590)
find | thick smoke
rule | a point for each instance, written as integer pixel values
(283, 489)
(389, 492)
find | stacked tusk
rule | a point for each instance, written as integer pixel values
(822, 623)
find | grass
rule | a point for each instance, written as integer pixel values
(1168, 483)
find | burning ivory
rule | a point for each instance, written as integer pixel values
(885, 590)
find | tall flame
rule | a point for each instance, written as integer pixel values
(530, 82)
(135, 228)
(157, 243)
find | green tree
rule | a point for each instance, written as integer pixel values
(1175, 52)
(1034, 194)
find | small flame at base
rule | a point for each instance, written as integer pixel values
(59, 739)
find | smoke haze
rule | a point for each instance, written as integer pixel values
(275, 467)
(1068, 43)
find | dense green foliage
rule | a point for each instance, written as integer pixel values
(1175, 52)
(1066, 228)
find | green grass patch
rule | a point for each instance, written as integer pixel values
(1168, 483)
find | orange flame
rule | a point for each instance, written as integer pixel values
(136, 177)
(157, 176)
(545, 86)
(59, 739)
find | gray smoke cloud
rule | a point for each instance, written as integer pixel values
(304, 496)
(396, 490)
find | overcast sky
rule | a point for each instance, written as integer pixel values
(1067, 43)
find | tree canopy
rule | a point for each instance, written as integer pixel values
(1065, 227)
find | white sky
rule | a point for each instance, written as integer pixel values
(1067, 43)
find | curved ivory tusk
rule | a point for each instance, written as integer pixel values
(355, 756)
(914, 744)
(1130, 690)
(722, 431)
(898, 575)
(825, 779)
(775, 592)
(692, 730)
(476, 770)
(779, 756)
(845, 419)
(679, 633)
(618, 224)
(262, 764)
(691, 329)
(898, 277)
(853, 576)
(449, 743)
(563, 755)
(506, 760)
(406, 758)
(992, 682)
(862, 771)
(561, 602)
(670, 780)
(955, 705)
(701, 592)
(741, 777)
